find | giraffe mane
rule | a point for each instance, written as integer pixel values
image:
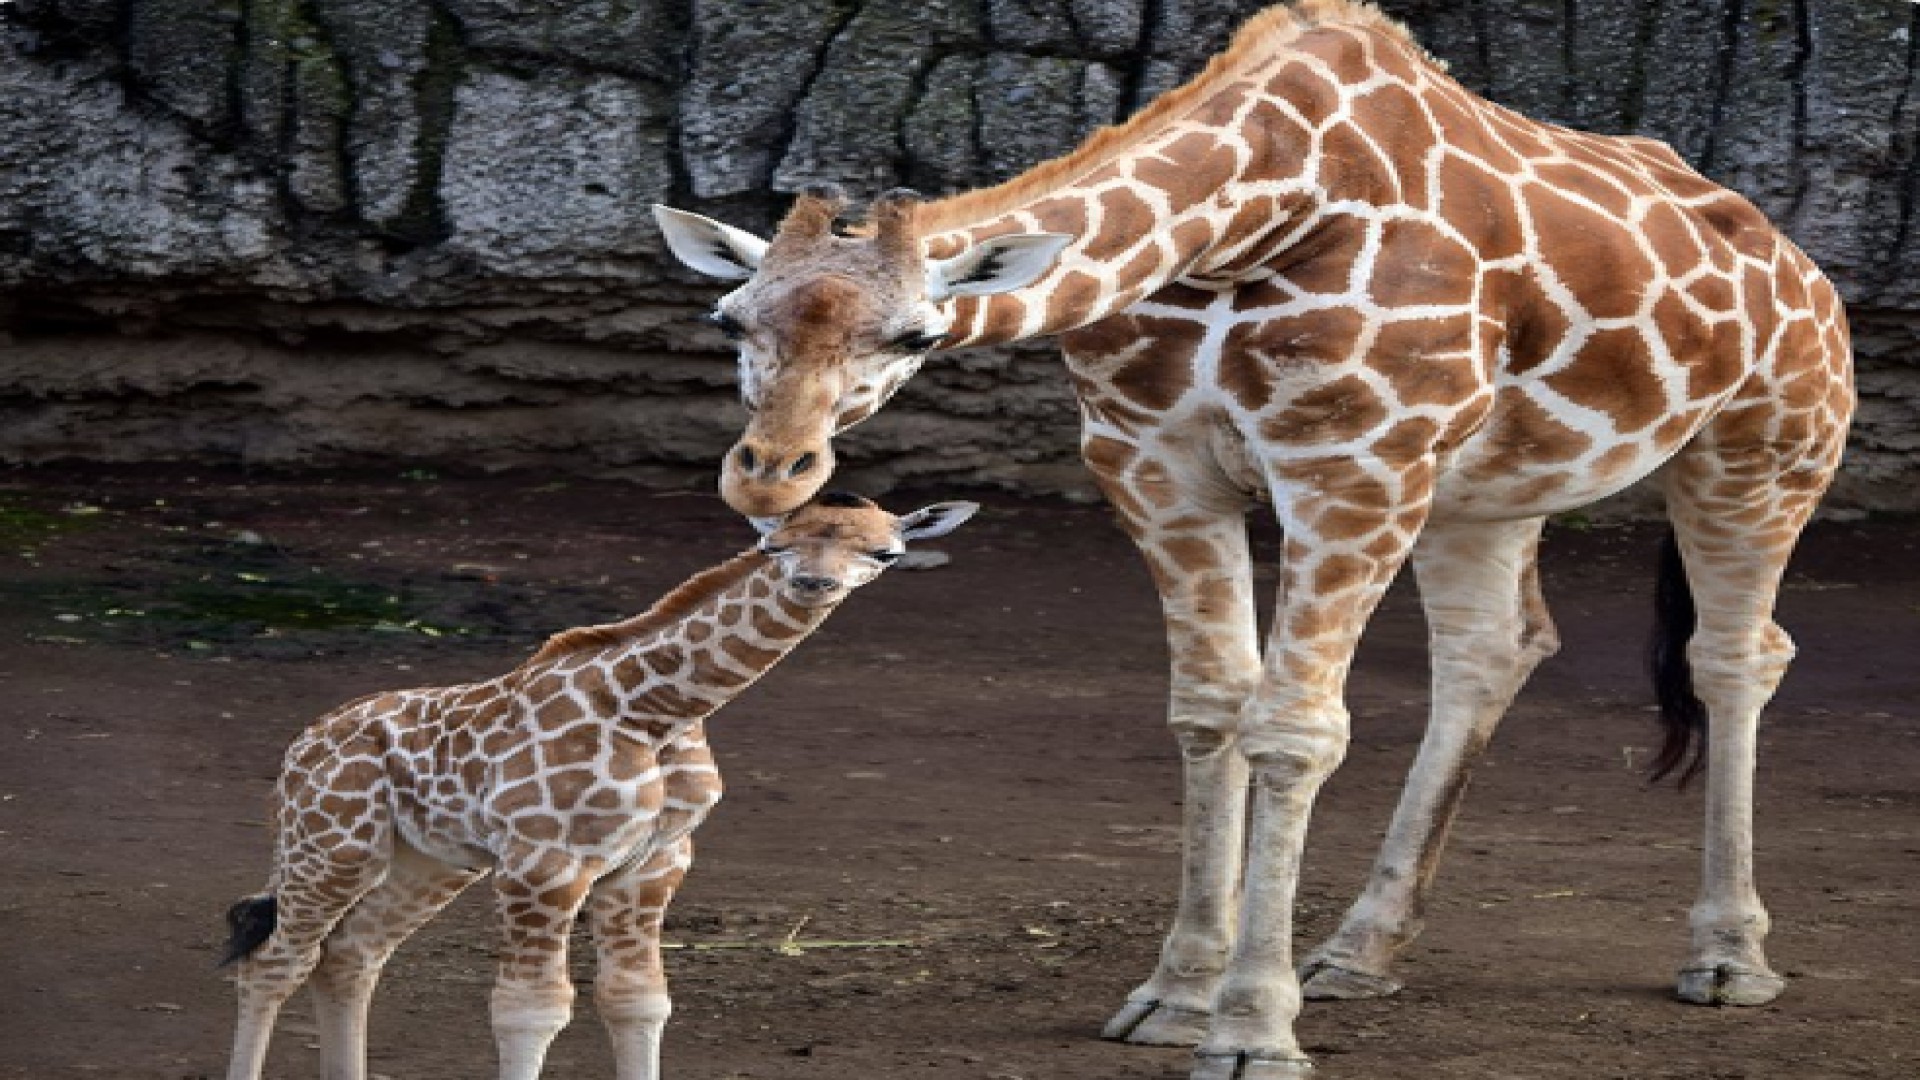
(1258, 40)
(666, 611)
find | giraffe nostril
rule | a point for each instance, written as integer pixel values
(804, 463)
(748, 460)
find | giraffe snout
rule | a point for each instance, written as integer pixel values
(765, 464)
(762, 479)
(815, 590)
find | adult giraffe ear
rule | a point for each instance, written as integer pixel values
(708, 246)
(1002, 264)
(936, 520)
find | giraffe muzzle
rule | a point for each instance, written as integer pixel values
(814, 591)
(762, 480)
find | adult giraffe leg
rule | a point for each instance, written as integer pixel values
(538, 893)
(1489, 629)
(416, 887)
(630, 983)
(1346, 536)
(1198, 557)
(1737, 522)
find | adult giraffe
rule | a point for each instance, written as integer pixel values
(1326, 275)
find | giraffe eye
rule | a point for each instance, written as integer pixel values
(918, 341)
(727, 324)
(884, 557)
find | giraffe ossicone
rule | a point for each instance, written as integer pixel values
(576, 780)
(1326, 276)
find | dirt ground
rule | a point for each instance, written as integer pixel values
(958, 799)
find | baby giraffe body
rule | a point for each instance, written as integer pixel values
(576, 780)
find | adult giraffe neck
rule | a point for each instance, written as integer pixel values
(1207, 192)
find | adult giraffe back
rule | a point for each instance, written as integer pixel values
(1326, 276)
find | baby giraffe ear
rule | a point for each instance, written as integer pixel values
(999, 265)
(936, 520)
(706, 245)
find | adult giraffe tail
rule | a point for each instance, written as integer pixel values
(251, 921)
(1682, 714)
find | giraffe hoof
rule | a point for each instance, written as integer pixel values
(1323, 981)
(1721, 985)
(1250, 1065)
(1156, 1023)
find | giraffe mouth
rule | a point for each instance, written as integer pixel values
(813, 596)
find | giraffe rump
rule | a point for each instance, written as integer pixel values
(251, 923)
(1683, 716)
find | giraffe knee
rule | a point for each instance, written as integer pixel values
(1293, 744)
(1201, 740)
(1538, 640)
(532, 1010)
(1205, 717)
(1779, 643)
(1736, 665)
(632, 1002)
(344, 966)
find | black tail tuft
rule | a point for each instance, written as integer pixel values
(252, 921)
(1682, 713)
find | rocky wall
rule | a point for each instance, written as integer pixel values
(414, 232)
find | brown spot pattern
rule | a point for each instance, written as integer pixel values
(1339, 411)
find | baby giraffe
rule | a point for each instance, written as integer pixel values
(576, 779)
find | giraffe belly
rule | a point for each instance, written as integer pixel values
(1498, 475)
(452, 846)
(476, 829)
(1524, 495)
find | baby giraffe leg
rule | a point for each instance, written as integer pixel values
(630, 986)
(539, 893)
(307, 906)
(416, 887)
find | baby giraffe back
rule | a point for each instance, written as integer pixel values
(551, 758)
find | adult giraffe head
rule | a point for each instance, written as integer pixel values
(830, 321)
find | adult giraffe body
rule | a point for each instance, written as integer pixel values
(1325, 275)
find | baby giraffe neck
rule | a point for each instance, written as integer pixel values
(743, 631)
(716, 645)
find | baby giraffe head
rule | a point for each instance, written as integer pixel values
(839, 542)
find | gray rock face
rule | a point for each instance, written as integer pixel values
(321, 232)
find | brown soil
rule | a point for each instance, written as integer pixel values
(965, 768)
